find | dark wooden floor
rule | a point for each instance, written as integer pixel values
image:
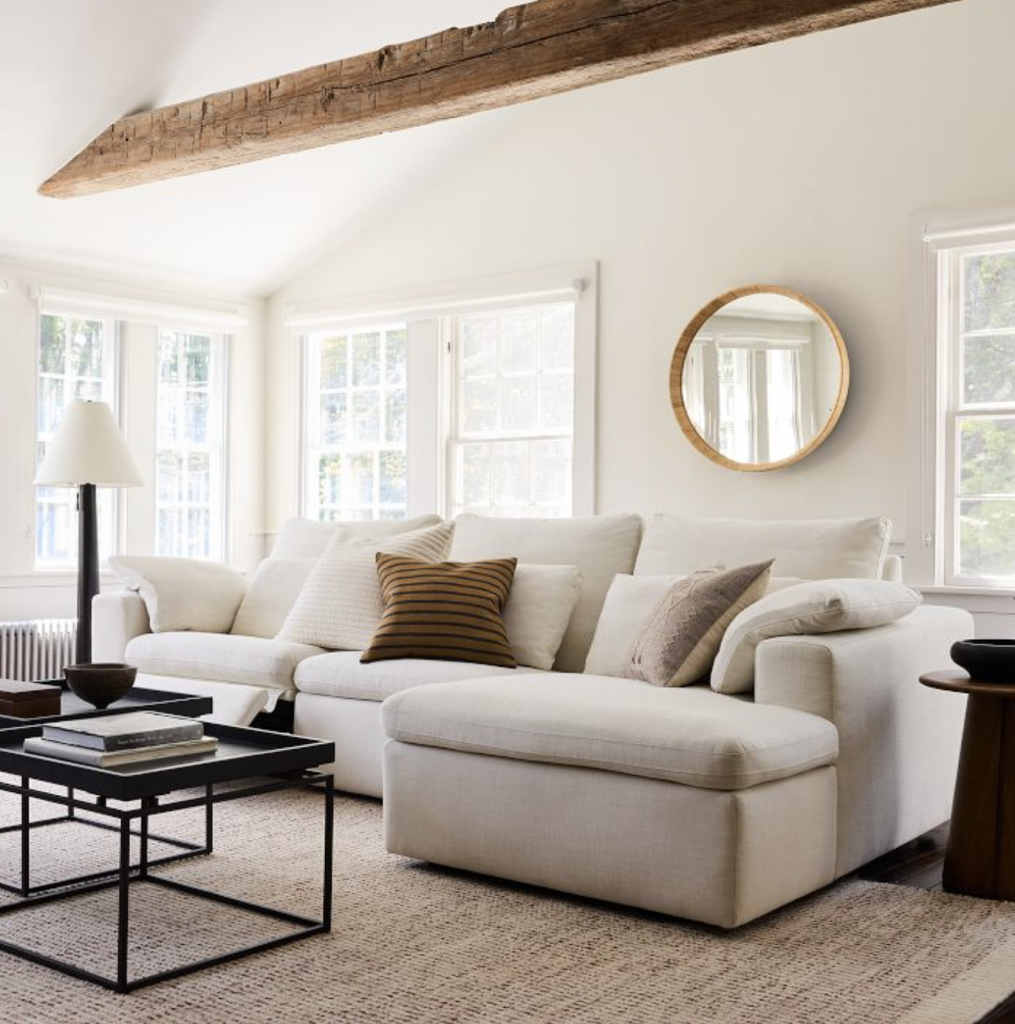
(919, 864)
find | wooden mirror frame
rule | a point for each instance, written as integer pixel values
(677, 378)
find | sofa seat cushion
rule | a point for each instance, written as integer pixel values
(220, 657)
(341, 674)
(689, 735)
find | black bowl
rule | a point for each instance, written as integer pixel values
(992, 661)
(100, 683)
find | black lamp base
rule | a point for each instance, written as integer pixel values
(88, 570)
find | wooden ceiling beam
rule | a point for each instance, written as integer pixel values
(529, 51)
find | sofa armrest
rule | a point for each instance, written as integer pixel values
(116, 619)
(898, 740)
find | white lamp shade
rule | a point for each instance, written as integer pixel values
(88, 448)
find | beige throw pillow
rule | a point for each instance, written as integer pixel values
(681, 638)
(340, 605)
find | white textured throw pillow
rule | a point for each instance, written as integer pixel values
(538, 611)
(183, 593)
(629, 602)
(340, 605)
(271, 593)
(822, 606)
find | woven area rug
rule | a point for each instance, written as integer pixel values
(416, 943)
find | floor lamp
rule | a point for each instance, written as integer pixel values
(88, 451)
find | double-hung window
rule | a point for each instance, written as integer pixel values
(480, 401)
(355, 423)
(971, 526)
(512, 417)
(190, 446)
(976, 387)
(77, 359)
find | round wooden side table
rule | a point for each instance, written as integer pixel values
(980, 855)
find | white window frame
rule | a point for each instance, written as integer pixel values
(218, 448)
(932, 398)
(112, 355)
(427, 312)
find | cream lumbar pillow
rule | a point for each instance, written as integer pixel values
(340, 604)
(538, 611)
(822, 606)
(679, 641)
(183, 593)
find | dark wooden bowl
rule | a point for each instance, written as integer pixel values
(100, 683)
(992, 661)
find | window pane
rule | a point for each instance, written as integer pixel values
(72, 363)
(987, 538)
(556, 402)
(52, 346)
(394, 358)
(988, 369)
(511, 491)
(472, 477)
(366, 360)
(356, 431)
(987, 456)
(479, 406)
(479, 345)
(551, 475)
(190, 489)
(334, 369)
(989, 290)
(519, 334)
(518, 404)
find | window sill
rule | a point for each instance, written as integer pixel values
(1005, 593)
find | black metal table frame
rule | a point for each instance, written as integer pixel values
(125, 873)
(25, 887)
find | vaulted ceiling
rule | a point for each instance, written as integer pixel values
(68, 68)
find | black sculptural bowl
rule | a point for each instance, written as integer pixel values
(992, 661)
(101, 683)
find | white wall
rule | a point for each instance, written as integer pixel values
(798, 163)
(25, 593)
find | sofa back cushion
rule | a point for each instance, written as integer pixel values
(811, 549)
(307, 538)
(599, 547)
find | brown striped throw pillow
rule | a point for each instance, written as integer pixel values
(450, 611)
(680, 639)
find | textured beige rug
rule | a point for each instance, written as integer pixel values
(416, 943)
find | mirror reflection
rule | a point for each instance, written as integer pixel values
(764, 378)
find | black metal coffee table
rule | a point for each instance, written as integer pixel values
(72, 706)
(253, 761)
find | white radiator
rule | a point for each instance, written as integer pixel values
(36, 651)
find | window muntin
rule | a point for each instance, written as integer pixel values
(978, 315)
(355, 442)
(512, 422)
(190, 445)
(77, 358)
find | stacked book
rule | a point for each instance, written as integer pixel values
(122, 739)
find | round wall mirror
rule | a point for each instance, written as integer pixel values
(759, 378)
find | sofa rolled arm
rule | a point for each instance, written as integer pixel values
(898, 741)
(117, 618)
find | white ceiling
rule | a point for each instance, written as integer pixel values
(69, 68)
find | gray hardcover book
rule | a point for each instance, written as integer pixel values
(106, 759)
(124, 732)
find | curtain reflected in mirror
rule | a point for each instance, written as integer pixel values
(763, 375)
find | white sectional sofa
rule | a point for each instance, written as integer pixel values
(705, 805)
